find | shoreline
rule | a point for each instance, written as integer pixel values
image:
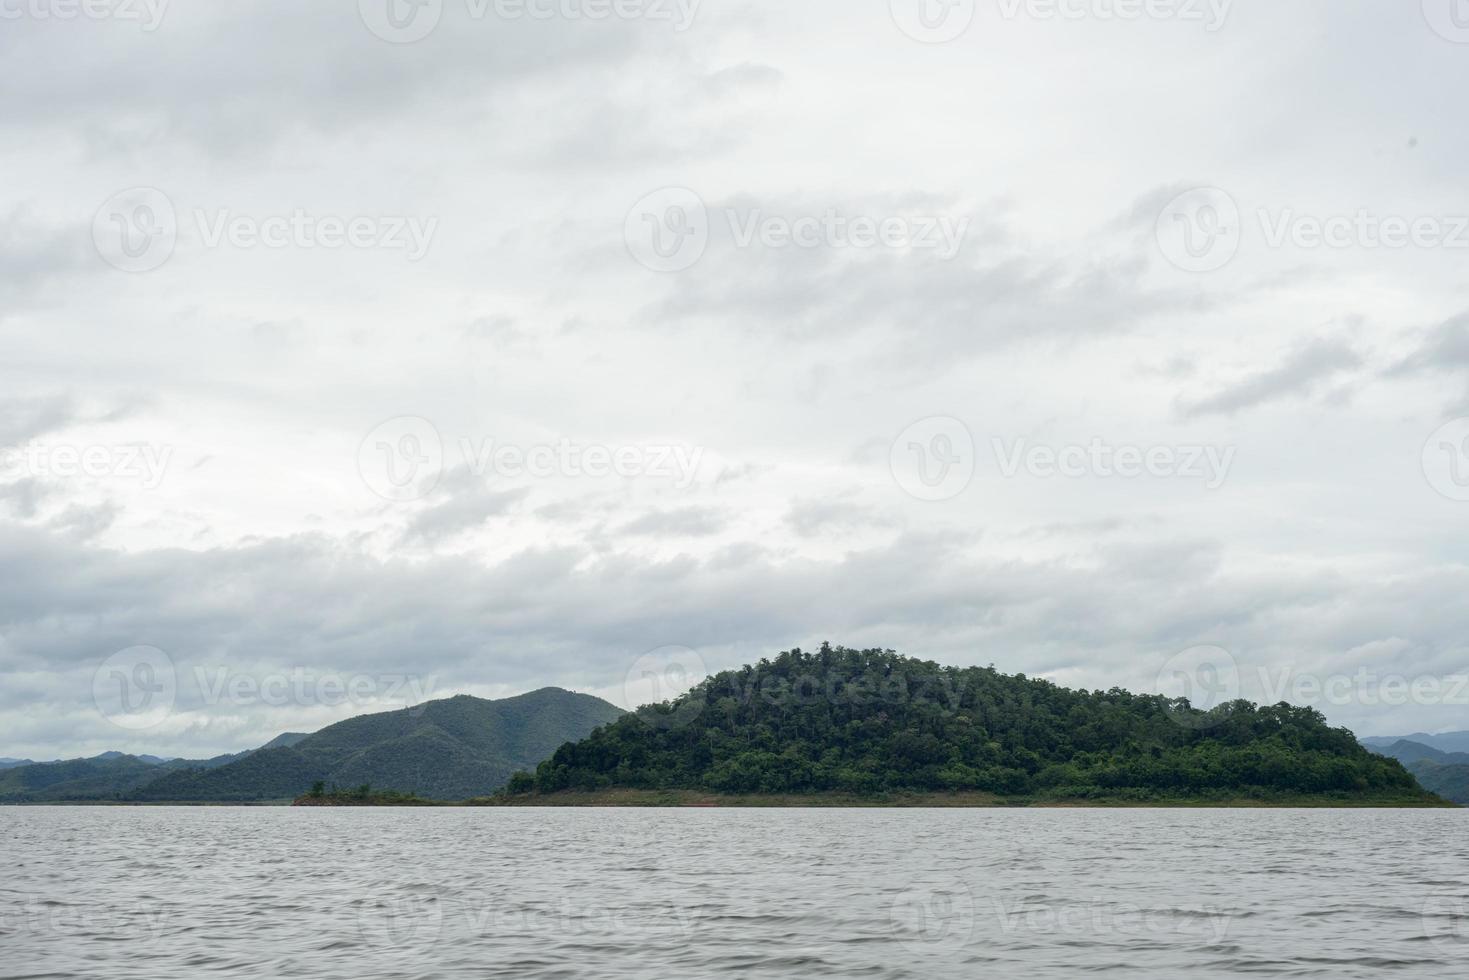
(684, 799)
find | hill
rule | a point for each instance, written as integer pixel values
(871, 722)
(449, 749)
(1444, 773)
(102, 777)
(1444, 742)
(75, 779)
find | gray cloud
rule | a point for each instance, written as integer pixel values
(1301, 374)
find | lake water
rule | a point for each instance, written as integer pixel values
(276, 892)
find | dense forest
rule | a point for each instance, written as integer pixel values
(872, 722)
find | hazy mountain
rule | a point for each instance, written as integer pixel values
(1445, 742)
(1444, 773)
(12, 763)
(450, 749)
(105, 776)
(74, 779)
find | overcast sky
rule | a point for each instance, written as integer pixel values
(448, 349)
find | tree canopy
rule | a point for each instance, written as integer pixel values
(871, 721)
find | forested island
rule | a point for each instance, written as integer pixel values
(846, 726)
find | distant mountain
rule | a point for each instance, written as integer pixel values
(75, 779)
(12, 763)
(106, 776)
(870, 722)
(1444, 773)
(1446, 742)
(451, 749)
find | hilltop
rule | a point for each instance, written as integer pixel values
(450, 749)
(871, 723)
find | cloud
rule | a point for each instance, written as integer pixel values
(678, 522)
(1444, 350)
(1301, 374)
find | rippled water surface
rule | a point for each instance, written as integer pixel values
(279, 892)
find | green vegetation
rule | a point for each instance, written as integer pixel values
(697, 798)
(1444, 773)
(871, 723)
(363, 795)
(449, 749)
(102, 777)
